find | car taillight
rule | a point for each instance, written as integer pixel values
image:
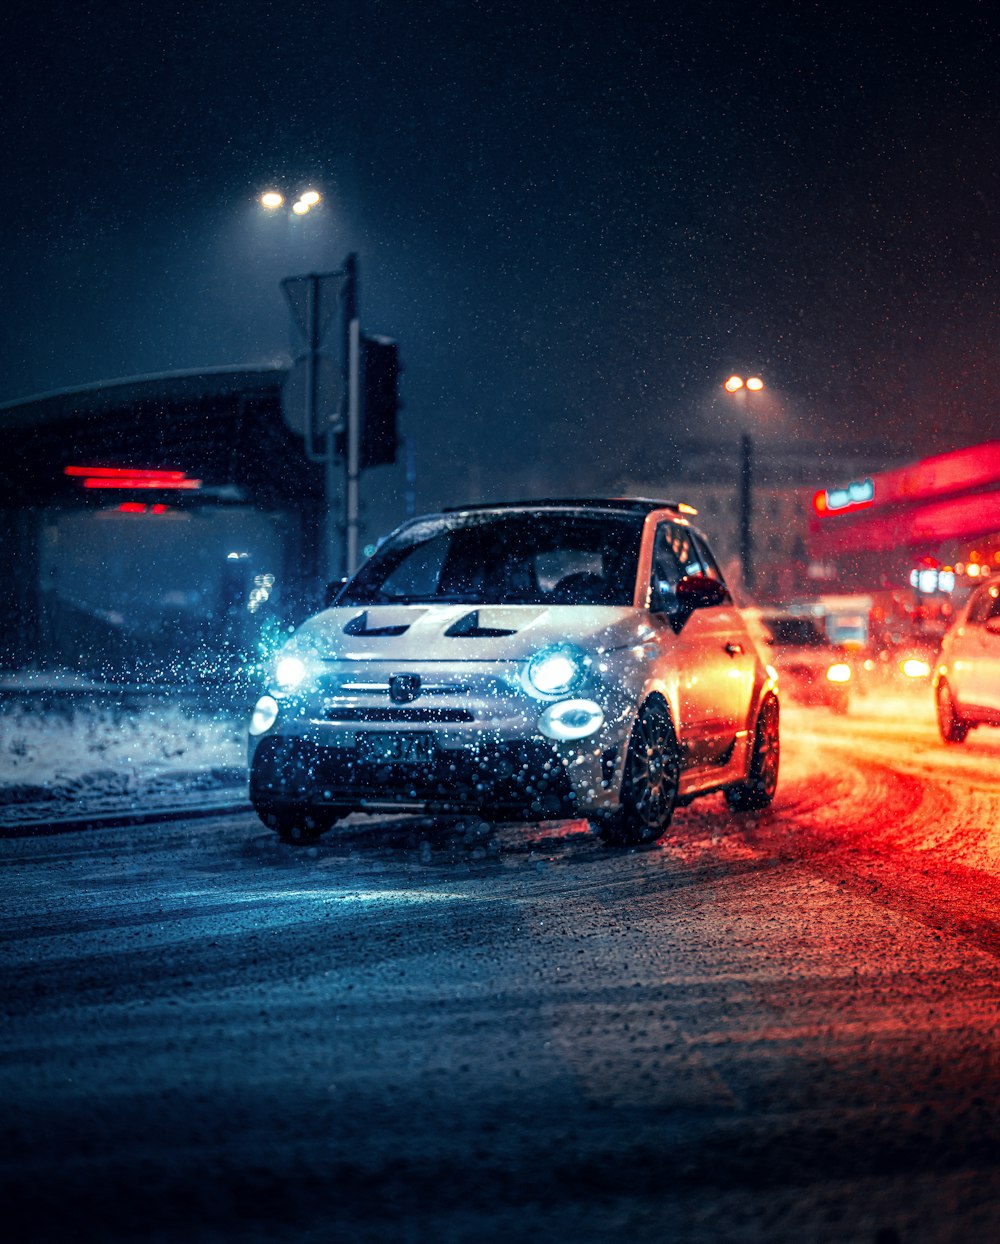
(913, 667)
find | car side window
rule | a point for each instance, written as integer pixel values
(672, 560)
(710, 567)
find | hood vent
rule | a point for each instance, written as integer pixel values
(359, 626)
(468, 627)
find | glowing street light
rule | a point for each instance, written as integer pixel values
(272, 199)
(736, 385)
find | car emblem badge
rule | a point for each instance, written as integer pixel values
(404, 688)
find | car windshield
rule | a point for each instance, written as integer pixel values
(491, 557)
(795, 632)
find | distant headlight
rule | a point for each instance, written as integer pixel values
(555, 671)
(265, 714)
(571, 719)
(913, 667)
(841, 672)
(289, 672)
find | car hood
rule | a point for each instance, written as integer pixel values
(449, 632)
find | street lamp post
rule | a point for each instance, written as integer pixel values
(738, 387)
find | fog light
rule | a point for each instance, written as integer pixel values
(265, 714)
(571, 719)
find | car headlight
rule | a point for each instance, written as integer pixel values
(841, 672)
(555, 671)
(571, 719)
(289, 672)
(265, 714)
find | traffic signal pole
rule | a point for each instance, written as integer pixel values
(346, 411)
(746, 510)
(352, 459)
(352, 440)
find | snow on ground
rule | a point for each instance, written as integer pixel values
(70, 749)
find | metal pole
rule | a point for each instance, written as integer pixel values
(410, 502)
(746, 510)
(353, 447)
(312, 358)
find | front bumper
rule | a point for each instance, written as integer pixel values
(487, 750)
(524, 779)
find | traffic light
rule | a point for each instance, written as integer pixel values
(379, 401)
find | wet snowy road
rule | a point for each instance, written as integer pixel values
(781, 1027)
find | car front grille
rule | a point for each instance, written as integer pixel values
(526, 779)
(399, 714)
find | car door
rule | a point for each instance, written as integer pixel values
(711, 656)
(988, 674)
(968, 653)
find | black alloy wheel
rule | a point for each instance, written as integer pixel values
(762, 775)
(649, 783)
(294, 826)
(952, 728)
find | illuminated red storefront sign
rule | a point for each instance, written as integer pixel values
(854, 496)
(131, 477)
(952, 496)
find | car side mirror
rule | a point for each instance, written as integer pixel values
(993, 626)
(332, 591)
(698, 591)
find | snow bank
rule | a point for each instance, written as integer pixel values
(68, 750)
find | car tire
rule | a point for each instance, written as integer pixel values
(295, 826)
(650, 780)
(758, 790)
(950, 725)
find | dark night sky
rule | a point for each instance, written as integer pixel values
(576, 218)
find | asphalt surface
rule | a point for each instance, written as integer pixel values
(779, 1027)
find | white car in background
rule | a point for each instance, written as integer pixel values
(811, 670)
(524, 661)
(967, 675)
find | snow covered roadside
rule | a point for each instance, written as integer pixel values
(69, 751)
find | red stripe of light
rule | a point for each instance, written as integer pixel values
(140, 481)
(97, 472)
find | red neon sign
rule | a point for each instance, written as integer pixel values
(854, 496)
(138, 481)
(131, 477)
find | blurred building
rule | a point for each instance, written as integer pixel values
(154, 520)
(784, 481)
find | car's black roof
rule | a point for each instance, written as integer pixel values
(627, 505)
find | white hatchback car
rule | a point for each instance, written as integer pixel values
(523, 661)
(967, 675)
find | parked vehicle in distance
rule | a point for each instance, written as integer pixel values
(899, 664)
(810, 669)
(967, 676)
(524, 661)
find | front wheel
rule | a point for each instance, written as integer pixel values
(952, 728)
(649, 783)
(295, 826)
(762, 774)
